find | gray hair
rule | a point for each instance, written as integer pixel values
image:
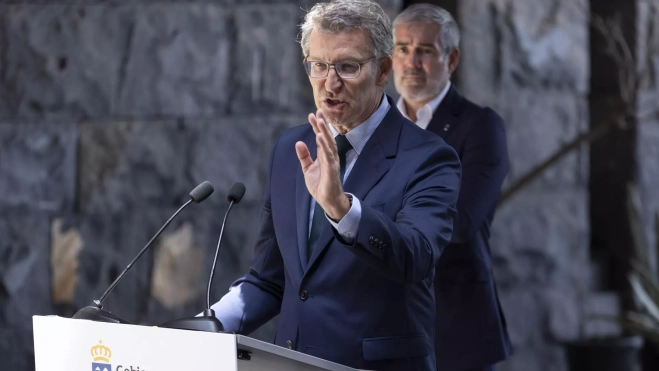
(449, 33)
(348, 15)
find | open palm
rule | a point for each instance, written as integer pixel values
(322, 175)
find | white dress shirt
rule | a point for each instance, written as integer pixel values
(424, 114)
(357, 137)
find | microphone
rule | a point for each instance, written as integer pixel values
(236, 194)
(95, 312)
(208, 322)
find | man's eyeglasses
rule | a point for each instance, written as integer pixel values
(347, 70)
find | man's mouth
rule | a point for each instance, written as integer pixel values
(413, 74)
(332, 103)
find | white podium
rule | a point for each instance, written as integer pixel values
(63, 344)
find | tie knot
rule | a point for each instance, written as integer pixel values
(342, 145)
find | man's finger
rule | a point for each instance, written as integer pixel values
(303, 155)
(321, 155)
(325, 152)
(321, 115)
(314, 123)
(323, 126)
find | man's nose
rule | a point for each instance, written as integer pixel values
(413, 60)
(333, 81)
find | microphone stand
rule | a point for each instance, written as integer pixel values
(207, 320)
(95, 312)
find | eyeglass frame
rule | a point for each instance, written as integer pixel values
(330, 65)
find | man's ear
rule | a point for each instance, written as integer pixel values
(384, 70)
(453, 60)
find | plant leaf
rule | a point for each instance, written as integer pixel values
(636, 323)
(640, 327)
(647, 279)
(636, 224)
(643, 297)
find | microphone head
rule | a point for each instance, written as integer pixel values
(201, 192)
(236, 192)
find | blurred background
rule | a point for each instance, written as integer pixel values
(112, 111)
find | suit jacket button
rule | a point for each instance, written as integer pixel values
(289, 344)
(370, 239)
(304, 295)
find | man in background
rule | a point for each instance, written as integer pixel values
(471, 329)
(357, 210)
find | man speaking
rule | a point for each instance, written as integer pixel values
(357, 210)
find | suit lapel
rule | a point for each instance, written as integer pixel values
(445, 118)
(303, 203)
(374, 161)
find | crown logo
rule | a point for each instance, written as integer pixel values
(101, 353)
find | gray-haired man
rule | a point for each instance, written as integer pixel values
(470, 325)
(357, 210)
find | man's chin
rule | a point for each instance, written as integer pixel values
(414, 83)
(417, 95)
(334, 118)
(410, 90)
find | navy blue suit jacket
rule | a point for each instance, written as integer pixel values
(470, 327)
(369, 304)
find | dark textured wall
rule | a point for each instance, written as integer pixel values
(531, 61)
(112, 111)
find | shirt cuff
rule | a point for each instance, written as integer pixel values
(349, 224)
(230, 309)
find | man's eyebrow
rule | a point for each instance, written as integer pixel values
(341, 60)
(425, 45)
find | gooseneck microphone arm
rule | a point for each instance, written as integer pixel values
(99, 302)
(95, 312)
(217, 252)
(207, 321)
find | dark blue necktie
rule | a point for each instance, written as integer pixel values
(319, 220)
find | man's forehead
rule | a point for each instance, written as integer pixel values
(345, 56)
(339, 46)
(417, 33)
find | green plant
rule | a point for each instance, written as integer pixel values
(643, 280)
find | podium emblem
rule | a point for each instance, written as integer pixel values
(101, 357)
(101, 367)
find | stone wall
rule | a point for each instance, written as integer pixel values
(529, 61)
(110, 113)
(647, 149)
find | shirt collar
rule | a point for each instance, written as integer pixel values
(360, 134)
(432, 105)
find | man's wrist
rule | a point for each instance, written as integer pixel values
(346, 204)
